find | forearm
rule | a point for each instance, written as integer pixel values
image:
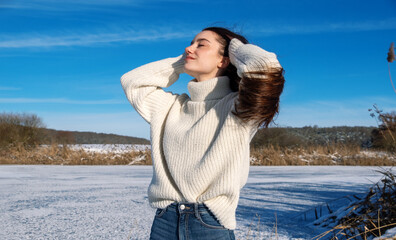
(251, 58)
(162, 73)
(143, 86)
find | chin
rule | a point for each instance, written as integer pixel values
(189, 72)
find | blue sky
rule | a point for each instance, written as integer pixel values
(63, 59)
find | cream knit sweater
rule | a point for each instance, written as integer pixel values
(200, 150)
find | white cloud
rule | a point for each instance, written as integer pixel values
(127, 34)
(2, 88)
(35, 40)
(59, 100)
(285, 29)
(78, 5)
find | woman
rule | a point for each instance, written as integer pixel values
(200, 143)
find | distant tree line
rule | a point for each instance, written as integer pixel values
(75, 137)
(28, 130)
(313, 136)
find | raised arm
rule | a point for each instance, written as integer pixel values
(143, 86)
(251, 58)
(261, 83)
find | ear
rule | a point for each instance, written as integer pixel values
(224, 62)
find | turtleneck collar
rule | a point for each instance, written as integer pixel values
(211, 89)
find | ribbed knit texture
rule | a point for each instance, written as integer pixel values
(200, 150)
(249, 57)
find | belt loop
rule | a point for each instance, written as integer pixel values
(196, 210)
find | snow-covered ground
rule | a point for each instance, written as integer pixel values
(108, 148)
(110, 202)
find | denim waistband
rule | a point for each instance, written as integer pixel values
(187, 207)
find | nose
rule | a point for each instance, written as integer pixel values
(189, 49)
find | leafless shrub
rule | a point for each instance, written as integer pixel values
(22, 129)
(384, 137)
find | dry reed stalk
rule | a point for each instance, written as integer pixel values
(258, 225)
(131, 231)
(274, 230)
(276, 227)
(370, 230)
(391, 58)
(250, 227)
(393, 86)
(369, 216)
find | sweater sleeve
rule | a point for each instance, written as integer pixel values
(253, 62)
(143, 86)
(249, 58)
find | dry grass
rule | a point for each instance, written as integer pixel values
(266, 156)
(63, 155)
(368, 217)
(321, 155)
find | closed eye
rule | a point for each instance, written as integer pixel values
(199, 41)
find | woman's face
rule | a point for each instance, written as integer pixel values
(203, 60)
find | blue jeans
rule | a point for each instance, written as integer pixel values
(188, 221)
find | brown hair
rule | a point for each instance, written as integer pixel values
(258, 91)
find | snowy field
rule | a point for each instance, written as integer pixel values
(110, 202)
(107, 148)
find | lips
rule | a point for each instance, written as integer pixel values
(189, 58)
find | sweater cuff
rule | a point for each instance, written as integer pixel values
(234, 45)
(178, 65)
